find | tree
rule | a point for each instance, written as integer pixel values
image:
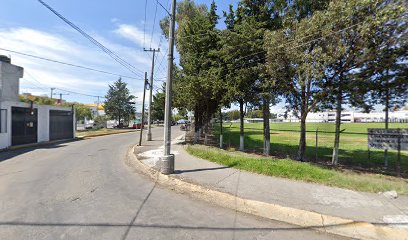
(242, 53)
(82, 112)
(158, 105)
(197, 86)
(118, 103)
(341, 43)
(298, 70)
(233, 115)
(384, 65)
(255, 114)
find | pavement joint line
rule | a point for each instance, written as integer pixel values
(308, 219)
(222, 179)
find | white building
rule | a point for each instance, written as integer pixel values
(27, 123)
(347, 117)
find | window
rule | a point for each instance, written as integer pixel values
(3, 120)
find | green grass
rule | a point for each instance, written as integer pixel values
(353, 142)
(300, 171)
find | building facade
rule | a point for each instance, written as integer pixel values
(26, 123)
(347, 117)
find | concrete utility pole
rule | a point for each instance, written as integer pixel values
(167, 161)
(61, 96)
(52, 90)
(143, 110)
(97, 107)
(149, 128)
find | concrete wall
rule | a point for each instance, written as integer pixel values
(43, 131)
(9, 81)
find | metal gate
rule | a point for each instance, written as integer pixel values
(61, 125)
(23, 125)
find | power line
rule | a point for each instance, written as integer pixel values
(157, 1)
(69, 64)
(47, 88)
(83, 94)
(154, 23)
(112, 54)
(144, 24)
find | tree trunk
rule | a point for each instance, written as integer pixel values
(267, 135)
(221, 136)
(335, 155)
(302, 140)
(241, 127)
(196, 127)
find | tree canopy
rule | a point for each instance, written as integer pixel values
(118, 103)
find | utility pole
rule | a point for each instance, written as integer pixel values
(149, 119)
(143, 110)
(167, 161)
(97, 107)
(61, 96)
(52, 90)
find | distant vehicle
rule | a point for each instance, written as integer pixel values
(137, 126)
(181, 121)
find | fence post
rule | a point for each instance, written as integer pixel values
(399, 157)
(317, 143)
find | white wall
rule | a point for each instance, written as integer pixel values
(43, 131)
(9, 81)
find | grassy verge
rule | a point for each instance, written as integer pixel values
(102, 131)
(300, 171)
(353, 142)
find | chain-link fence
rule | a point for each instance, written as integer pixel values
(353, 151)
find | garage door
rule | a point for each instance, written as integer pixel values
(61, 125)
(23, 125)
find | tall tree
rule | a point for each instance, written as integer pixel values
(342, 43)
(298, 68)
(158, 104)
(118, 103)
(384, 62)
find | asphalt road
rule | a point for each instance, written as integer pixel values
(84, 190)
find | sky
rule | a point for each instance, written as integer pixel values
(27, 26)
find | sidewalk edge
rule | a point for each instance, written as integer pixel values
(106, 134)
(307, 219)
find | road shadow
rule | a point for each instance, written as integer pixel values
(8, 154)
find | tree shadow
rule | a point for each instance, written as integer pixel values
(354, 159)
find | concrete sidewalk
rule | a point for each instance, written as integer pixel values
(357, 206)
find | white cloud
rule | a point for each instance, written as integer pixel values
(137, 35)
(68, 46)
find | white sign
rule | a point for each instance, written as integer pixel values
(391, 139)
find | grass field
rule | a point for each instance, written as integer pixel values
(300, 171)
(284, 142)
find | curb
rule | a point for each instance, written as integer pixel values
(306, 219)
(105, 134)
